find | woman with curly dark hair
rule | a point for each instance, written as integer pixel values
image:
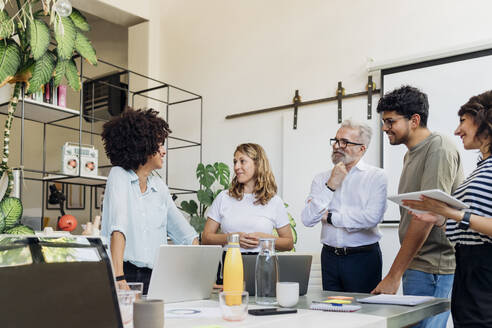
(251, 207)
(139, 212)
(470, 230)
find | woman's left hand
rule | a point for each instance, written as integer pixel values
(252, 239)
(427, 204)
(248, 240)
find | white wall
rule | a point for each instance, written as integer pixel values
(247, 55)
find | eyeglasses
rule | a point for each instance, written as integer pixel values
(388, 122)
(343, 143)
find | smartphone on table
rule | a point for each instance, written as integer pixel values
(271, 311)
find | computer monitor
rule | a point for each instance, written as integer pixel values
(56, 282)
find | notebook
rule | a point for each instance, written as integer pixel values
(334, 307)
(291, 268)
(410, 300)
(184, 272)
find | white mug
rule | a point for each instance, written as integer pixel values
(287, 293)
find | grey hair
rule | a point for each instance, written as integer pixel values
(365, 131)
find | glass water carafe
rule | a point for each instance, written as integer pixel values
(266, 273)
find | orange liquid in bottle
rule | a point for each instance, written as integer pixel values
(233, 272)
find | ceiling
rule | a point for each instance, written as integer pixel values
(97, 9)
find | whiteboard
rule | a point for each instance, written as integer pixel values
(448, 83)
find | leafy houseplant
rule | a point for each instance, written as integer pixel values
(293, 224)
(214, 179)
(38, 43)
(10, 214)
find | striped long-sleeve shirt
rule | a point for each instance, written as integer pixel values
(475, 191)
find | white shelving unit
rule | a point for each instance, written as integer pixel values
(80, 180)
(40, 112)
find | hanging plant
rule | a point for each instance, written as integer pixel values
(37, 43)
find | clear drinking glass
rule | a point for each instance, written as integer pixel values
(238, 310)
(137, 287)
(266, 273)
(125, 300)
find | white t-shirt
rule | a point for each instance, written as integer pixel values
(244, 216)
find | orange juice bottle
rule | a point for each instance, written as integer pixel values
(233, 270)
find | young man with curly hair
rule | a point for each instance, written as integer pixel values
(139, 212)
(425, 262)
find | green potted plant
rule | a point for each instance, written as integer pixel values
(293, 224)
(214, 179)
(39, 42)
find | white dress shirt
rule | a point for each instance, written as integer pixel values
(357, 206)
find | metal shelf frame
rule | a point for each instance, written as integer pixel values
(52, 115)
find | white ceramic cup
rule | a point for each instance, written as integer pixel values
(287, 293)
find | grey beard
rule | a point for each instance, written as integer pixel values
(342, 157)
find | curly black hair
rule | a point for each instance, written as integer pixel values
(406, 101)
(134, 136)
(480, 108)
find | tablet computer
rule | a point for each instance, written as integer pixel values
(433, 193)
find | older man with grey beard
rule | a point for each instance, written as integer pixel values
(349, 201)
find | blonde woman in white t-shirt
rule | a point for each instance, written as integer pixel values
(250, 207)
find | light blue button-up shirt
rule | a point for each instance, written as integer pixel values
(146, 219)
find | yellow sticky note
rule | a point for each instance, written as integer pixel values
(337, 301)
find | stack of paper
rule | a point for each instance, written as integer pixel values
(397, 299)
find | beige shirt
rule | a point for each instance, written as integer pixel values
(434, 163)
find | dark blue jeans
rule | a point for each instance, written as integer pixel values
(358, 272)
(421, 283)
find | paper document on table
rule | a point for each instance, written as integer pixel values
(433, 193)
(192, 312)
(396, 299)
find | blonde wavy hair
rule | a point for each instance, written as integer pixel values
(265, 186)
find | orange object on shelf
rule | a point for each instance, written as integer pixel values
(67, 223)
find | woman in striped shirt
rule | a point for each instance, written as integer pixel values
(470, 230)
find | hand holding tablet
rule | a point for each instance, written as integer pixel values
(434, 194)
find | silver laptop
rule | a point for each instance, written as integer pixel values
(184, 272)
(292, 268)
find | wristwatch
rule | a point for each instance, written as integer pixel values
(328, 218)
(465, 221)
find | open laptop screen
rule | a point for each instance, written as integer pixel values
(291, 267)
(184, 272)
(56, 282)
